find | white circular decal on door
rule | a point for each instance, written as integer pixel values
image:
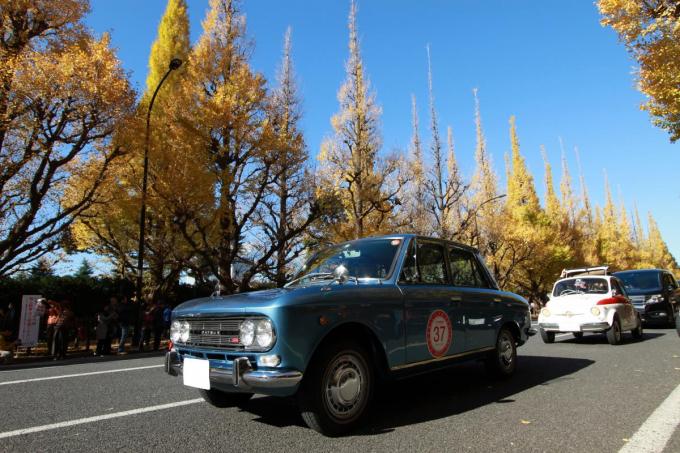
(439, 333)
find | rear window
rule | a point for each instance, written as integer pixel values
(640, 282)
(581, 285)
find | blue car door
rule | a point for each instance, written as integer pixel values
(433, 314)
(481, 305)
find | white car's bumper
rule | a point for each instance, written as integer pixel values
(579, 323)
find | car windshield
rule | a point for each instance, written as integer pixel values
(368, 258)
(640, 282)
(581, 285)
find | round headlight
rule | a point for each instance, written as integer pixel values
(595, 311)
(247, 333)
(174, 331)
(545, 312)
(264, 333)
(184, 332)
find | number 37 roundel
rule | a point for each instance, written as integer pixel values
(439, 333)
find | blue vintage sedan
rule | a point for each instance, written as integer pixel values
(358, 312)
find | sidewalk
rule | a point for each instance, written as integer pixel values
(39, 357)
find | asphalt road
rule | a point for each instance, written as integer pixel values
(583, 395)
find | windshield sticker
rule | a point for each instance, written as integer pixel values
(439, 334)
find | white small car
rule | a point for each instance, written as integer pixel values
(589, 303)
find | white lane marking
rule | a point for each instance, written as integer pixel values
(655, 432)
(53, 367)
(63, 376)
(97, 418)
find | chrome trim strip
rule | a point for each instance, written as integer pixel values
(441, 359)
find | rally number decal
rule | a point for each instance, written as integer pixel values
(439, 333)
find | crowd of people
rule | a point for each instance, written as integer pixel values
(125, 324)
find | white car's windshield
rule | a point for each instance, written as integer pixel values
(581, 285)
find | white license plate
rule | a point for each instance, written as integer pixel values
(196, 373)
(570, 327)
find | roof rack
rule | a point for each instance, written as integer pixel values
(598, 270)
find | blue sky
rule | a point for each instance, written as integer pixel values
(548, 62)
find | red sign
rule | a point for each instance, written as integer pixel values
(439, 334)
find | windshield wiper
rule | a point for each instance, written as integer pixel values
(312, 275)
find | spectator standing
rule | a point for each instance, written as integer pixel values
(62, 331)
(167, 318)
(158, 325)
(124, 320)
(112, 331)
(53, 312)
(148, 314)
(6, 347)
(12, 319)
(102, 331)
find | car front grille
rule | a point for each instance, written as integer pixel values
(214, 332)
(638, 300)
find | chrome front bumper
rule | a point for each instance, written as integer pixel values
(583, 327)
(241, 377)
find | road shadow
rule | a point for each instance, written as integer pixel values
(79, 359)
(598, 338)
(434, 395)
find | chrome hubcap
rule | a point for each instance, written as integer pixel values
(506, 350)
(344, 386)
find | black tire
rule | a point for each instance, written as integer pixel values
(614, 332)
(637, 332)
(333, 410)
(578, 335)
(547, 337)
(502, 361)
(677, 324)
(225, 399)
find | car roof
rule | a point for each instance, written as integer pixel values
(419, 236)
(642, 270)
(575, 277)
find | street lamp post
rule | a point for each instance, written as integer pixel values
(174, 64)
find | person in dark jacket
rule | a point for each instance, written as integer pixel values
(62, 331)
(158, 324)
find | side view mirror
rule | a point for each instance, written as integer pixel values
(670, 288)
(341, 274)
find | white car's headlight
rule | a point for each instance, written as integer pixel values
(264, 333)
(174, 331)
(545, 312)
(184, 332)
(247, 333)
(595, 311)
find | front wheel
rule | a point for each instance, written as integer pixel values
(337, 390)
(225, 399)
(547, 337)
(502, 361)
(614, 332)
(637, 332)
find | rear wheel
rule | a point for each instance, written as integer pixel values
(577, 335)
(637, 332)
(502, 361)
(614, 332)
(337, 390)
(225, 399)
(547, 337)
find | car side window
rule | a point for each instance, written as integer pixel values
(465, 269)
(618, 287)
(409, 271)
(431, 264)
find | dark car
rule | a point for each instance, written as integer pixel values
(654, 292)
(382, 307)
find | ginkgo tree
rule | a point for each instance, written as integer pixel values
(62, 94)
